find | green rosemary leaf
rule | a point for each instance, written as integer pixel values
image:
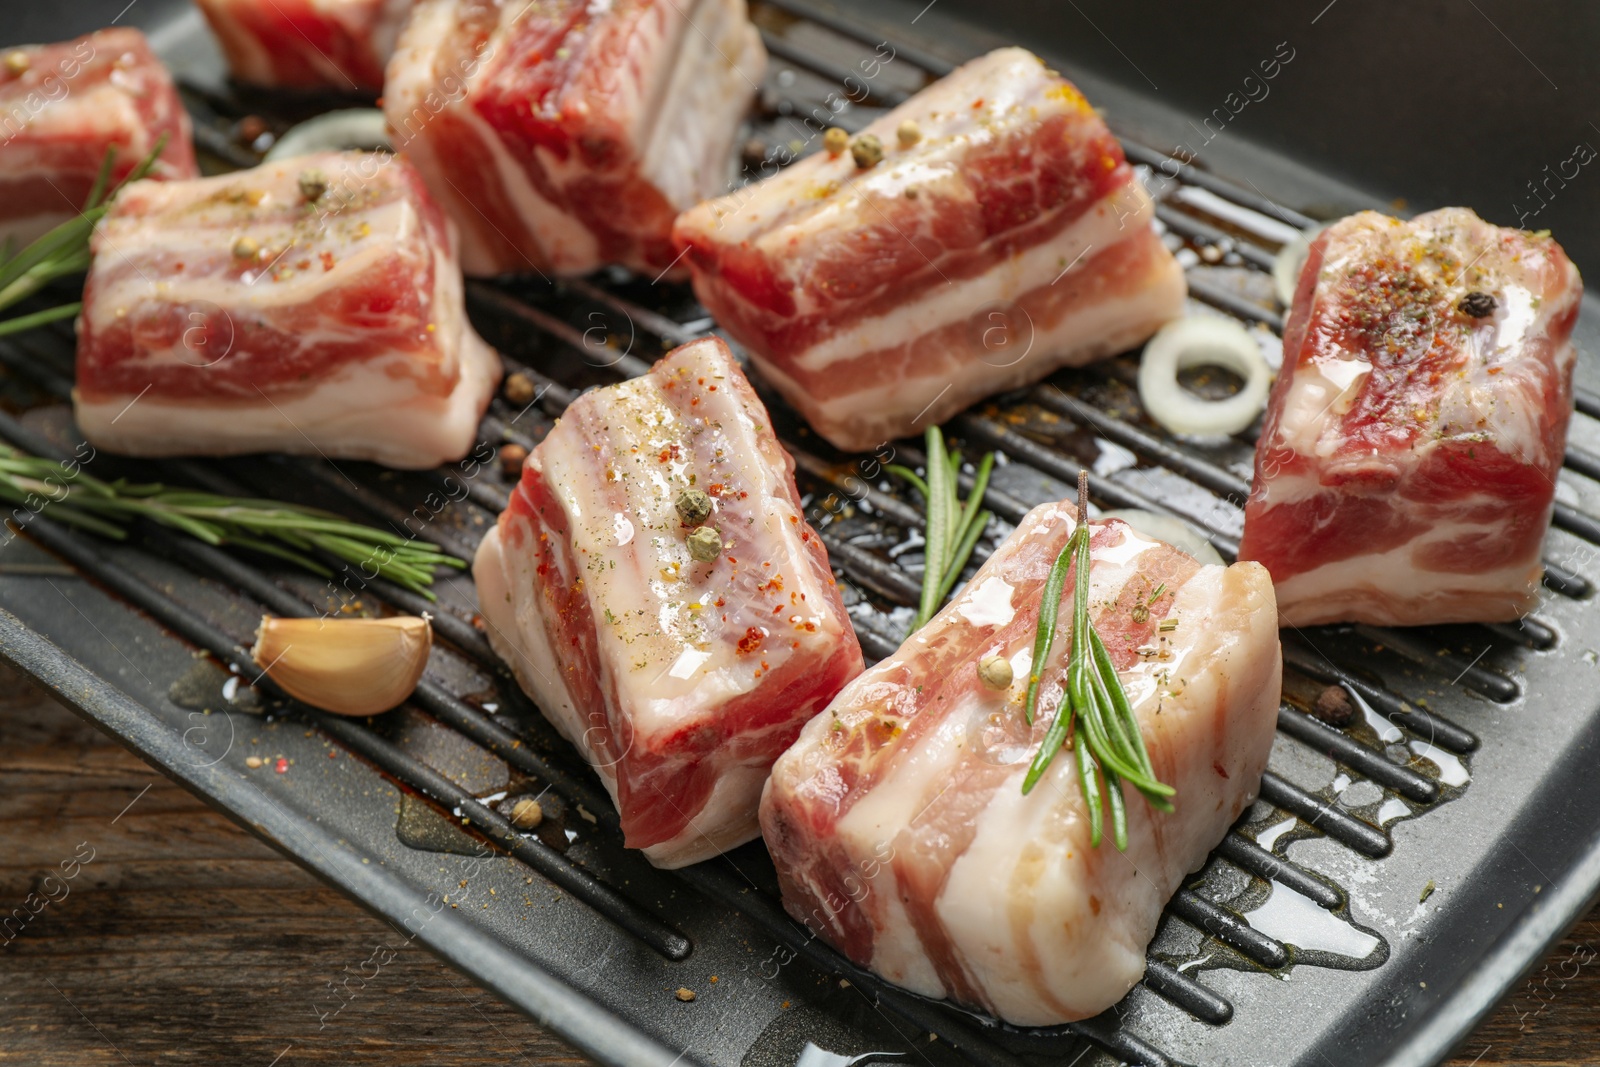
(39, 318)
(1046, 634)
(937, 534)
(1109, 746)
(909, 475)
(1117, 810)
(963, 552)
(952, 529)
(1089, 780)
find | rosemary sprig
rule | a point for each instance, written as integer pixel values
(64, 250)
(953, 527)
(287, 531)
(1095, 717)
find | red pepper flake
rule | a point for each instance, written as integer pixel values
(700, 381)
(720, 602)
(282, 766)
(333, 754)
(327, 260)
(777, 608)
(715, 488)
(976, 104)
(776, 584)
(751, 640)
(712, 388)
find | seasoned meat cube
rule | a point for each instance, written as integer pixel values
(657, 590)
(898, 822)
(1406, 471)
(1007, 238)
(310, 306)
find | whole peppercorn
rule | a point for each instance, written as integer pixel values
(1477, 305)
(835, 140)
(705, 544)
(694, 507)
(246, 248)
(866, 150)
(520, 390)
(313, 183)
(1333, 706)
(511, 460)
(908, 134)
(526, 814)
(995, 672)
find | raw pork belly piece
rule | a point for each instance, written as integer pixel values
(898, 823)
(679, 680)
(308, 44)
(237, 314)
(1406, 470)
(568, 134)
(62, 106)
(1009, 240)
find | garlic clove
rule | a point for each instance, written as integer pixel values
(346, 666)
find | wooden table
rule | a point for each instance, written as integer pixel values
(187, 941)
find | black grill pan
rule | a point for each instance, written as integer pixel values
(1306, 938)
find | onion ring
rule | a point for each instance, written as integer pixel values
(357, 127)
(1203, 341)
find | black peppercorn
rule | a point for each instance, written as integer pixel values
(1477, 305)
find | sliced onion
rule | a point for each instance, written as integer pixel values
(1175, 532)
(1291, 259)
(357, 127)
(1203, 341)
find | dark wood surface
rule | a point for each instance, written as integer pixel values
(187, 941)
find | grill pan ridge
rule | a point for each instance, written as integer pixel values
(590, 940)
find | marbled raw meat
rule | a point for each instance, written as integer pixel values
(898, 822)
(680, 681)
(1406, 471)
(237, 314)
(565, 135)
(62, 106)
(1010, 239)
(308, 44)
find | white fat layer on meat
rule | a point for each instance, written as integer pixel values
(100, 111)
(662, 602)
(412, 96)
(1384, 587)
(867, 417)
(154, 232)
(1124, 214)
(505, 582)
(901, 796)
(685, 135)
(1088, 914)
(1014, 86)
(361, 412)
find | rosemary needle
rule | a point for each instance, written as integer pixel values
(286, 531)
(64, 250)
(1095, 717)
(953, 527)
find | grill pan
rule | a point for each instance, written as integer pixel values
(1305, 939)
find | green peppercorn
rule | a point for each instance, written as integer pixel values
(694, 507)
(705, 544)
(313, 183)
(866, 150)
(995, 672)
